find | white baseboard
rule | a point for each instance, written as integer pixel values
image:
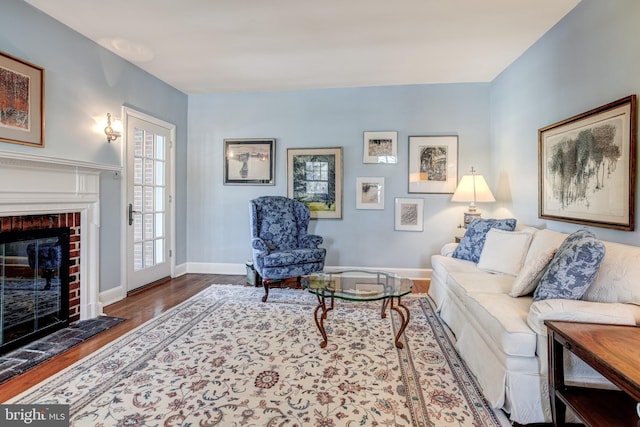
(112, 295)
(118, 293)
(235, 269)
(216, 268)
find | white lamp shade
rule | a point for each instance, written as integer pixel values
(473, 188)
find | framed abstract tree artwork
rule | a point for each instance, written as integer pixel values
(21, 102)
(587, 167)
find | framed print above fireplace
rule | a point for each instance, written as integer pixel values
(21, 102)
(587, 167)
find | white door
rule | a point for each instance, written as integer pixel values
(148, 205)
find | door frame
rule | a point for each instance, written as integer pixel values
(128, 112)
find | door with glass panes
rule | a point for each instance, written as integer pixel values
(148, 202)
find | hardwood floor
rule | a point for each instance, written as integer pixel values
(136, 309)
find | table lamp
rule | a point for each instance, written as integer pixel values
(474, 189)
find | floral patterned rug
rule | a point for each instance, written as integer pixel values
(224, 358)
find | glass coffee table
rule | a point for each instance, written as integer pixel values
(358, 286)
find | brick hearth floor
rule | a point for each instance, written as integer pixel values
(24, 358)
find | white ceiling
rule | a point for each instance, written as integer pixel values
(207, 46)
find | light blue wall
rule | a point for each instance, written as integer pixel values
(591, 58)
(83, 83)
(218, 217)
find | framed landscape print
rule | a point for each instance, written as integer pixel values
(433, 164)
(587, 167)
(21, 102)
(314, 177)
(249, 161)
(370, 193)
(409, 214)
(380, 147)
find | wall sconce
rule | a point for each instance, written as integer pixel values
(472, 188)
(113, 131)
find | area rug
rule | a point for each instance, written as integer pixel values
(225, 358)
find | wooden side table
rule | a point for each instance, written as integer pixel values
(613, 351)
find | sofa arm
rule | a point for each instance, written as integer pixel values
(580, 311)
(448, 249)
(310, 241)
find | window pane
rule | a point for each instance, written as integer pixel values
(148, 199)
(148, 145)
(159, 173)
(148, 254)
(159, 251)
(159, 225)
(137, 256)
(138, 136)
(137, 198)
(148, 171)
(137, 227)
(148, 226)
(137, 170)
(160, 147)
(159, 199)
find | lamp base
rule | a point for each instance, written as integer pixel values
(470, 216)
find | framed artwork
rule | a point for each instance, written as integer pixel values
(21, 102)
(587, 167)
(314, 177)
(380, 147)
(409, 214)
(433, 164)
(370, 193)
(249, 161)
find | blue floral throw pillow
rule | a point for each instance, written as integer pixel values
(573, 268)
(472, 242)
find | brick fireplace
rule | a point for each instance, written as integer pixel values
(55, 220)
(38, 191)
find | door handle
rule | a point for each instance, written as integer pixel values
(131, 212)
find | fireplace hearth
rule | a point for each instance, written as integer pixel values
(34, 284)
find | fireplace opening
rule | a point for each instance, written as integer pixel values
(34, 285)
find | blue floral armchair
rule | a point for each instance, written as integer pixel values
(279, 240)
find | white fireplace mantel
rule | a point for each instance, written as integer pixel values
(35, 185)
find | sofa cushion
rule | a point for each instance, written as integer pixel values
(471, 244)
(542, 241)
(462, 283)
(580, 311)
(573, 267)
(619, 277)
(504, 321)
(504, 251)
(530, 274)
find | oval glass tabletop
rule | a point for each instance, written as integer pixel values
(357, 285)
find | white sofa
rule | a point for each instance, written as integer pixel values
(503, 339)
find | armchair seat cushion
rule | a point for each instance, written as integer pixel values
(294, 256)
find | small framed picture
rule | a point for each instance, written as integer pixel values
(409, 214)
(380, 147)
(249, 161)
(370, 193)
(433, 164)
(21, 102)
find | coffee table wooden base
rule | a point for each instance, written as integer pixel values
(320, 314)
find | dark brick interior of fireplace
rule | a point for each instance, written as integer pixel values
(13, 225)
